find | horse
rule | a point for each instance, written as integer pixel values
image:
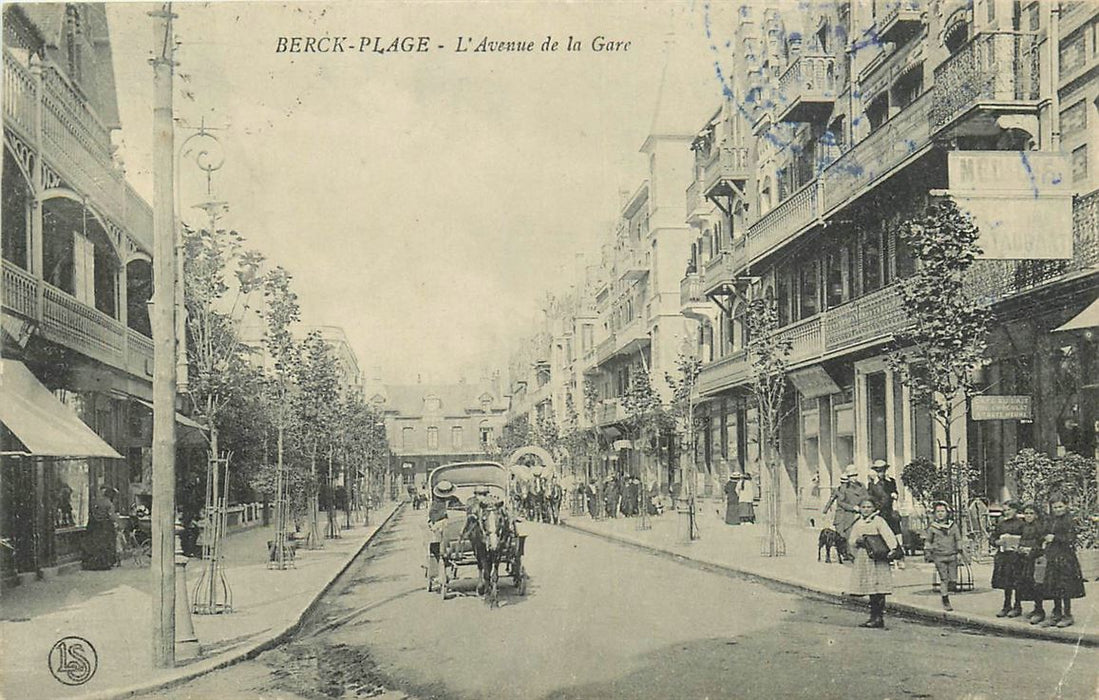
(490, 533)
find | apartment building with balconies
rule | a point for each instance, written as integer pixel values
(76, 244)
(852, 116)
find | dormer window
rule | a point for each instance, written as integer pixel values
(432, 403)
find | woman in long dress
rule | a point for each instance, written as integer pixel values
(732, 500)
(871, 577)
(99, 538)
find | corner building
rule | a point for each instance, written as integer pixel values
(842, 120)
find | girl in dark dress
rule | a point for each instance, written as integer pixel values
(1030, 546)
(1008, 563)
(1064, 580)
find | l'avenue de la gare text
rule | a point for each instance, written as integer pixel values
(462, 44)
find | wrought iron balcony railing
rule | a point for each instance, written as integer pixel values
(995, 69)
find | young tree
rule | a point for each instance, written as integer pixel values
(936, 355)
(768, 353)
(315, 407)
(682, 383)
(280, 312)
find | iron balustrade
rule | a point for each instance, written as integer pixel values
(996, 67)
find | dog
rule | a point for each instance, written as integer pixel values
(830, 539)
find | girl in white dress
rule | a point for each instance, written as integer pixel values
(870, 577)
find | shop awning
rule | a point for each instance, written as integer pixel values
(180, 418)
(45, 426)
(1088, 318)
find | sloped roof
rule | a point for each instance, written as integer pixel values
(408, 399)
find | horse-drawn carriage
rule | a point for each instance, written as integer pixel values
(479, 528)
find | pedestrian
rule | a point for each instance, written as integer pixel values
(592, 495)
(746, 491)
(1030, 547)
(847, 498)
(883, 489)
(1064, 580)
(732, 499)
(610, 497)
(1008, 563)
(871, 577)
(942, 547)
(100, 538)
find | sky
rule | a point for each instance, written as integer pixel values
(426, 202)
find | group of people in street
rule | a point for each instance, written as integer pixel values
(1035, 556)
(617, 494)
(107, 529)
(1036, 561)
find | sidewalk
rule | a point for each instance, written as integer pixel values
(737, 549)
(112, 610)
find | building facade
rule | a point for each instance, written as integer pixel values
(77, 243)
(842, 120)
(429, 425)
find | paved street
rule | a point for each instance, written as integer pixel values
(605, 621)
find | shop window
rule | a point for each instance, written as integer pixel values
(70, 493)
(871, 261)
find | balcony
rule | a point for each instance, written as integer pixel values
(633, 264)
(73, 144)
(995, 73)
(799, 212)
(724, 267)
(904, 137)
(697, 207)
(727, 372)
(692, 302)
(899, 20)
(612, 411)
(66, 321)
(726, 172)
(868, 319)
(807, 89)
(806, 340)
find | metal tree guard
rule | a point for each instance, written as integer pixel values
(279, 556)
(212, 594)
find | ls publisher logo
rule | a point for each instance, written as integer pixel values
(73, 660)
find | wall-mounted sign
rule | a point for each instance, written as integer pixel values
(1020, 200)
(622, 445)
(1000, 408)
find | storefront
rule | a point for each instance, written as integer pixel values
(48, 476)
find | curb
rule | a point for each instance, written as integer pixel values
(275, 639)
(906, 610)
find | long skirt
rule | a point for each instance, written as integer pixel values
(1007, 567)
(869, 577)
(99, 545)
(732, 511)
(1063, 576)
(1025, 587)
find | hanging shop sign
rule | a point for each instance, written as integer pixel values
(1000, 408)
(622, 445)
(1020, 200)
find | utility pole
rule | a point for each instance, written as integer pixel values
(164, 343)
